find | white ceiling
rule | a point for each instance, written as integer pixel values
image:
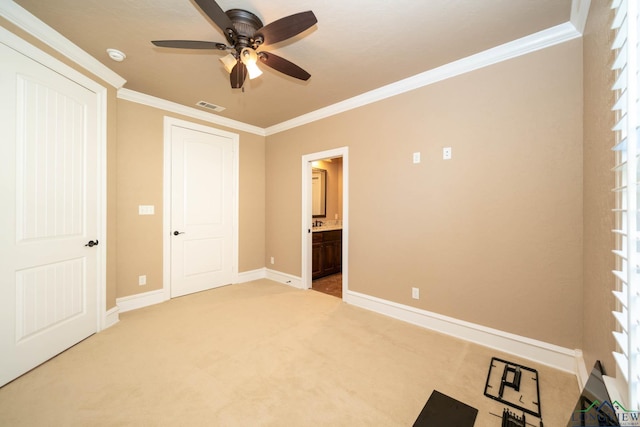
(356, 46)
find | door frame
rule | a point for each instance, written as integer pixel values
(169, 122)
(30, 51)
(307, 240)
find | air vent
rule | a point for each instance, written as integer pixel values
(210, 106)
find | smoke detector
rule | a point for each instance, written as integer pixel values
(116, 55)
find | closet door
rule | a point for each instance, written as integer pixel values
(49, 247)
(202, 210)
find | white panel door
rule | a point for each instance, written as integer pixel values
(49, 202)
(202, 204)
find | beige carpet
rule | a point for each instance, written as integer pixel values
(262, 354)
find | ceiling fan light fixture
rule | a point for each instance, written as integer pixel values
(229, 61)
(249, 58)
(253, 70)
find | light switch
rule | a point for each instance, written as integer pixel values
(146, 210)
(416, 157)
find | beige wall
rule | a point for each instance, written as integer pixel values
(598, 301)
(493, 236)
(112, 199)
(139, 178)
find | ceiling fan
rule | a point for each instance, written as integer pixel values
(245, 34)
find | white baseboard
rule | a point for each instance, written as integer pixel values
(285, 278)
(145, 299)
(248, 276)
(582, 373)
(538, 351)
(111, 317)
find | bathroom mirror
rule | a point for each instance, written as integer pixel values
(319, 193)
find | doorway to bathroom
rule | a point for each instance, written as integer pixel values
(325, 221)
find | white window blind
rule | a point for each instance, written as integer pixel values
(627, 251)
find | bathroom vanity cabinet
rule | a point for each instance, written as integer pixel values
(327, 253)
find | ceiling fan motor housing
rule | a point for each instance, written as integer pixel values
(246, 24)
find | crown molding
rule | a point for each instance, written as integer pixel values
(163, 104)
(540, 40)
(15, 14)
(579, 14)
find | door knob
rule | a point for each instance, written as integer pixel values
(92, 243)
(175, 233)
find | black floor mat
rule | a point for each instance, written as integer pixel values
(441, 410)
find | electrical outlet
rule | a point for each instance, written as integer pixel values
(415, 293)
(142, 280)
(446, 153)
(416, 157)
(273, 260)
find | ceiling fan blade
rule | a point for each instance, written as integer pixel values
(286, 27)
(238, 75)
(219, 17)
(189, 44)
(284, 66)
